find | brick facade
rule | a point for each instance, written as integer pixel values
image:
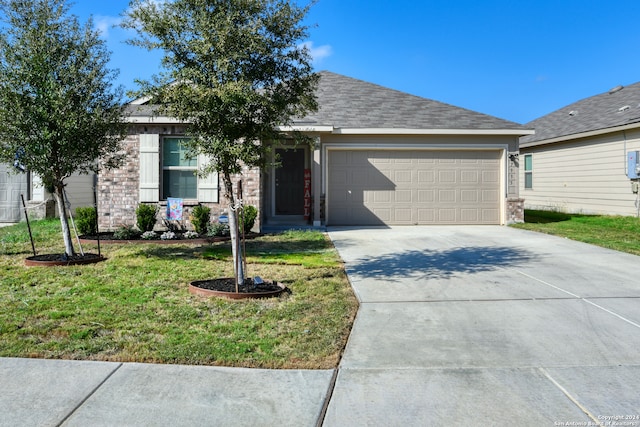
(118, 189)
(515, 210)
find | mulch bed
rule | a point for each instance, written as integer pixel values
(63, 259)
(229, 285)
(107, 237)
(226, 287)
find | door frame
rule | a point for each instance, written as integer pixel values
(503, 168)
(274, 188)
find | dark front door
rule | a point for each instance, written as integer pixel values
(290, 182)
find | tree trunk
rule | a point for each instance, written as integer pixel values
(236, 247)
(64, 220)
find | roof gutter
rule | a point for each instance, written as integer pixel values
(153, 120)
(405, 131)
(310, 129)
(354, 131)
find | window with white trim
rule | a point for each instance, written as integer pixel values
(165, 171)
(528, 171)
(178, 170)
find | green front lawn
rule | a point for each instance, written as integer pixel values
(135, 306)
(621, 233)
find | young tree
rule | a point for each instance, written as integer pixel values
(236, 71)
(58, 111)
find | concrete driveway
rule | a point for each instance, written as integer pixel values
(487, 326)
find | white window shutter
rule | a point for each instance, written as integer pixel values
(37, 189)
(149, 167)
(207, 186)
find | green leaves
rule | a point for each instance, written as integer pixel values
(57, 106)
(56, 96)
(234, 69)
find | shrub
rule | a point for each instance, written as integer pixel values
(149, 235)
(219, 230)
(126, 233)
(86, 220)
(200, 218)
(250, 215)
(190, 235)
(168, 235)
(146, 217)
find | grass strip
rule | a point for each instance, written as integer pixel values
(621, 233)
(136, 307)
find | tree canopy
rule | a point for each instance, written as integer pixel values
(56, 104)
(236, 71)
(59, 112)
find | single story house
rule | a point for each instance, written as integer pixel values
(380, 157)
(577, 160)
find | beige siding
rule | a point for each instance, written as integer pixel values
(583, 176)
(79, 191)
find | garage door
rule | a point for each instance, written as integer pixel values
(11, 186)
(377, 187)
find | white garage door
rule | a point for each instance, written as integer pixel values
(11, 186)
(377, 187)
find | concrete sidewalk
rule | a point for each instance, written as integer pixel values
(457, 326)
(80, 393)
(487, 326)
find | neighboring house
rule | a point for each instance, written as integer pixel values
(577, 160)
(79, 189)
(381, 157)
(39, 202)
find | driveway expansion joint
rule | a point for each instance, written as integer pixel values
(573, 399)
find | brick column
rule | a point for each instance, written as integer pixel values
(515, 210)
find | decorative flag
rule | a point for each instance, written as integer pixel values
(174, 209)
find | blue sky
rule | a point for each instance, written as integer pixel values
(514, 59)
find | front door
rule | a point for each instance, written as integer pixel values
(290, 182)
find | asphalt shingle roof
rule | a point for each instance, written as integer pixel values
(349, 103)
(345, 102)
(143, 110)
(618, 107)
